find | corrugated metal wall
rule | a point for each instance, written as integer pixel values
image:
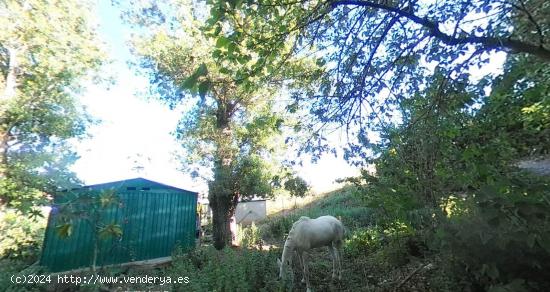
(153, 223)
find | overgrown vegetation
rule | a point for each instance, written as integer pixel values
(449, 174)
(446, 210)
(21, 236)
(375, 255)
(228, 270)
(341, 204)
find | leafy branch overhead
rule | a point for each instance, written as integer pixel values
(375, 54)
(460, 36)
(87, 207)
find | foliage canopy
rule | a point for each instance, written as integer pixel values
(41, 70)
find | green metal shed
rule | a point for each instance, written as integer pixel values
(154, 219)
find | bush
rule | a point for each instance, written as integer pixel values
(21, 236)
(278, 228)
(387, 248)
(249, 236)
(503, 242)
(363, 240)
(9, 267)
(226, 270)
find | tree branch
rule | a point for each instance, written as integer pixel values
(532, 20)
(489, 43)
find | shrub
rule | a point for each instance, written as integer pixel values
(387, 247)
(249, 236)
(278, 228)
(21, 236)
(363, 240)
(503, 242)
(226, 270)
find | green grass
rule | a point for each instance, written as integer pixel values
(372, 261)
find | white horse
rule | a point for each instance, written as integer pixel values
(309, 233)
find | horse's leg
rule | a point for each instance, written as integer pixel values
(332, 251)
(338, 252)
(301, 260)
(306, 270)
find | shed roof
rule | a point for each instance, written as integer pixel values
(137, 184)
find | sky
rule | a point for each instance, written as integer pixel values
(137, 131)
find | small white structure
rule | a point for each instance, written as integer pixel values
(246, 213)
(250, 211)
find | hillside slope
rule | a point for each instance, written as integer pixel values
(370, 262)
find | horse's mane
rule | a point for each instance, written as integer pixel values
(294, 227)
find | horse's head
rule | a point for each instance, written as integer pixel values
(284, 266)
(286, 259)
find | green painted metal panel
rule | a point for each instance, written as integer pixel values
(155, 218)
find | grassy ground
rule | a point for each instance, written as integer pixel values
(367, 266)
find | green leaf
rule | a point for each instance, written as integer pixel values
(202, 70)
(111, 230)
(225, 71)
(218, 30)
(64, 230)
(107, 198)
(222, 42)
(231, 47)
(203, 88)
(191, 81)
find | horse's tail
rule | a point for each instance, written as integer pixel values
(347, 233)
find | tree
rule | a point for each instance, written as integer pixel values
(402, 68)
(460, 163)
(379, 53)
(41, 66)
(297, 187)
(232, 125)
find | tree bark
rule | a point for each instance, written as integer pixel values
(4, 138)
(220, 190)
(221, 219)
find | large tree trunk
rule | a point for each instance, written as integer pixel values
(220, 201)
(221, 225)
(220, 191)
